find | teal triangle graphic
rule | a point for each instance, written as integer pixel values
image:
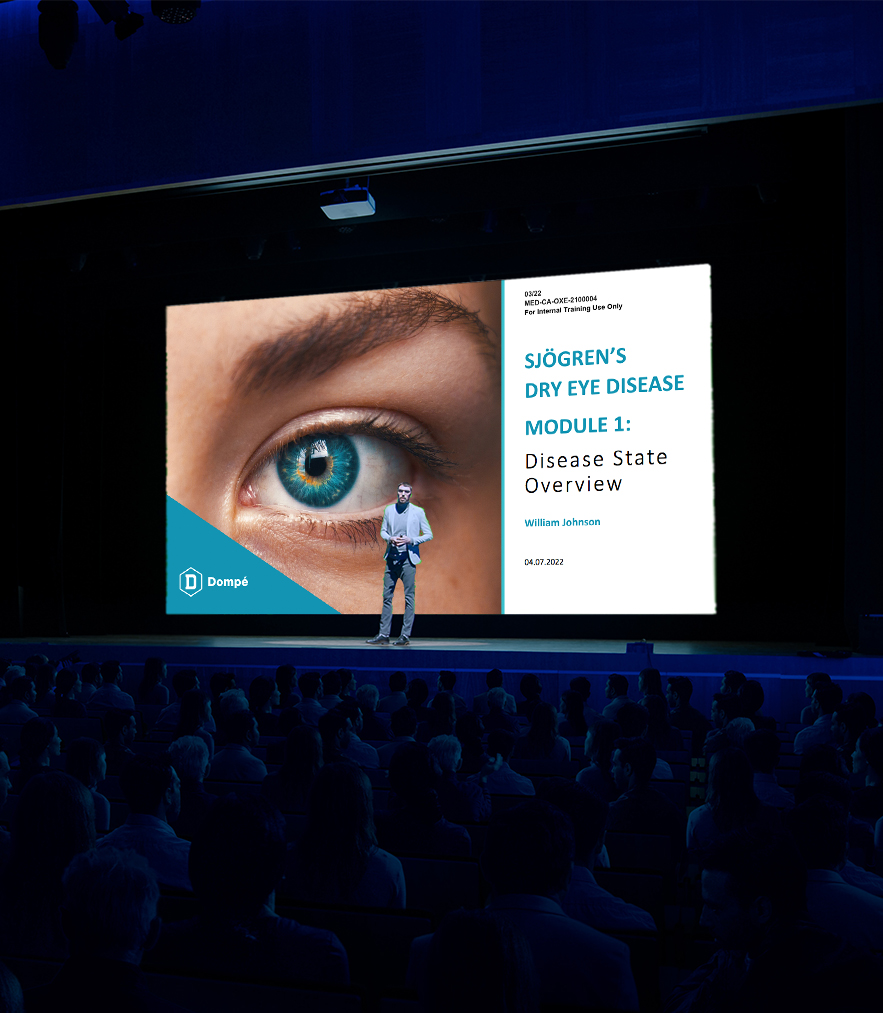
(203, 566)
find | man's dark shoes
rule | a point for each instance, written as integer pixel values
(379, 639)
(403, 641)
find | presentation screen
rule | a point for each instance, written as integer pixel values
(555, 436)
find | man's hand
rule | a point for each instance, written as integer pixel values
(401, 540)
(492, 766)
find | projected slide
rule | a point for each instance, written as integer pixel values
(555, 435)
(607, 426)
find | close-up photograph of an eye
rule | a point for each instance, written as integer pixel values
(293, 421)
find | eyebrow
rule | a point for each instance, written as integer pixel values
(368, 321)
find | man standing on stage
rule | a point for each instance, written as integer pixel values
(404, 527)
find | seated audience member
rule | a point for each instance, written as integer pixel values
(663, 735)
(54, 821)
(477, 962)
(641, 809)
(813, 681)
(528, 861)
(504, 780)
(289, 787)
(151, 690)
(288, 720)
(493, 679)
(12, 999)
(419, 826)
(44, 686)
(572, 724)
(542, 741)
(738, 730)
(461, 801)
(336, 730)
(763, 748)
(585, 900)
(599, 748)
(770, 958)
(865, 703)
(442, 718)
(331, 687)
(823, 758)
(731, 682)
(109, 694)
(403, 724)
(67, 686)
(819, 827)
(219, 683)
(616, 691)
(496, 716)
(190, 758)
(152, 788)
(396, 698)
(348, 684)
(193, 718)
(469, 731)
(233, 701)
(236, 864)
(358, 751)
(725, 707)
(752, 696)
(867, 762)
(39, 744)
(649, 684)
(682, 715)
(120, 727)
(183, 681)
(263, 696)
(825, 700)
(235, 761)
(847, 724)
(85, 760)
(581, 685)
(530, 688)
(310, 686)
(22, 697)
(731, 802)
(109, 915)
(337, 860)
(374, 728)
(634, 720)
(90, 680)
(418, 694)
(286, 678)
(445, 684)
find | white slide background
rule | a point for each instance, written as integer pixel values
(652, 548)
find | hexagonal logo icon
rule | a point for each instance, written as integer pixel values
(190, 581)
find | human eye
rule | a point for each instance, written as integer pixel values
(337, 467)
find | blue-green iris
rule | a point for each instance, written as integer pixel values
(314, 479)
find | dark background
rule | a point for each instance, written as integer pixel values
(785, 208)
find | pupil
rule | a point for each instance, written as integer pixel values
(315, 466)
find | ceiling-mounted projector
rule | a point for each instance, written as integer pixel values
(349, 202)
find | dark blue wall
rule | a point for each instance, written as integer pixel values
(250, 87)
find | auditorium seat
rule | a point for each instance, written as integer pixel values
(440, 885)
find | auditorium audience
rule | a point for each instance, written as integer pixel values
(584, 899)
(599, 747)
(190, 758)
(731, 682)
(616, 691)
(220, 683)
(495, 716)
(67, 686)
(152, 789)
(374, 728)
(151, 690)
(362, 753)
(331, 687)
(418, 826)
(39, 744)
(403, 724)
(337, 860)
(865, 702)
(461, 801)
(193, 718)
(289, 787)
(85, 760)
(109, 693)
(54, 821)
(649, 684)
(90, 680)
(581, 685)
(763, 748)
(573, 723)
(120, 727)
(44, 687)
(310, 686)
(441, 718)
(737, 731)
(683, 715)
(336, 730)
(183, 680)
(22, 696)
(396, 698)
(286, 678)
(752, 697)
(847, 724)
(237, 861)
(493, 679)
(633, 720)
(469, 731)
(825, 700)
(418, 694)
(235, 761)
(504, 780)
(725, 707)
(445, 684)
(530, 688)
(232, 701)
(542, 741)
(867, 762)
(663, 735)
(109, 914)
(813, 681)
(263, 696)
